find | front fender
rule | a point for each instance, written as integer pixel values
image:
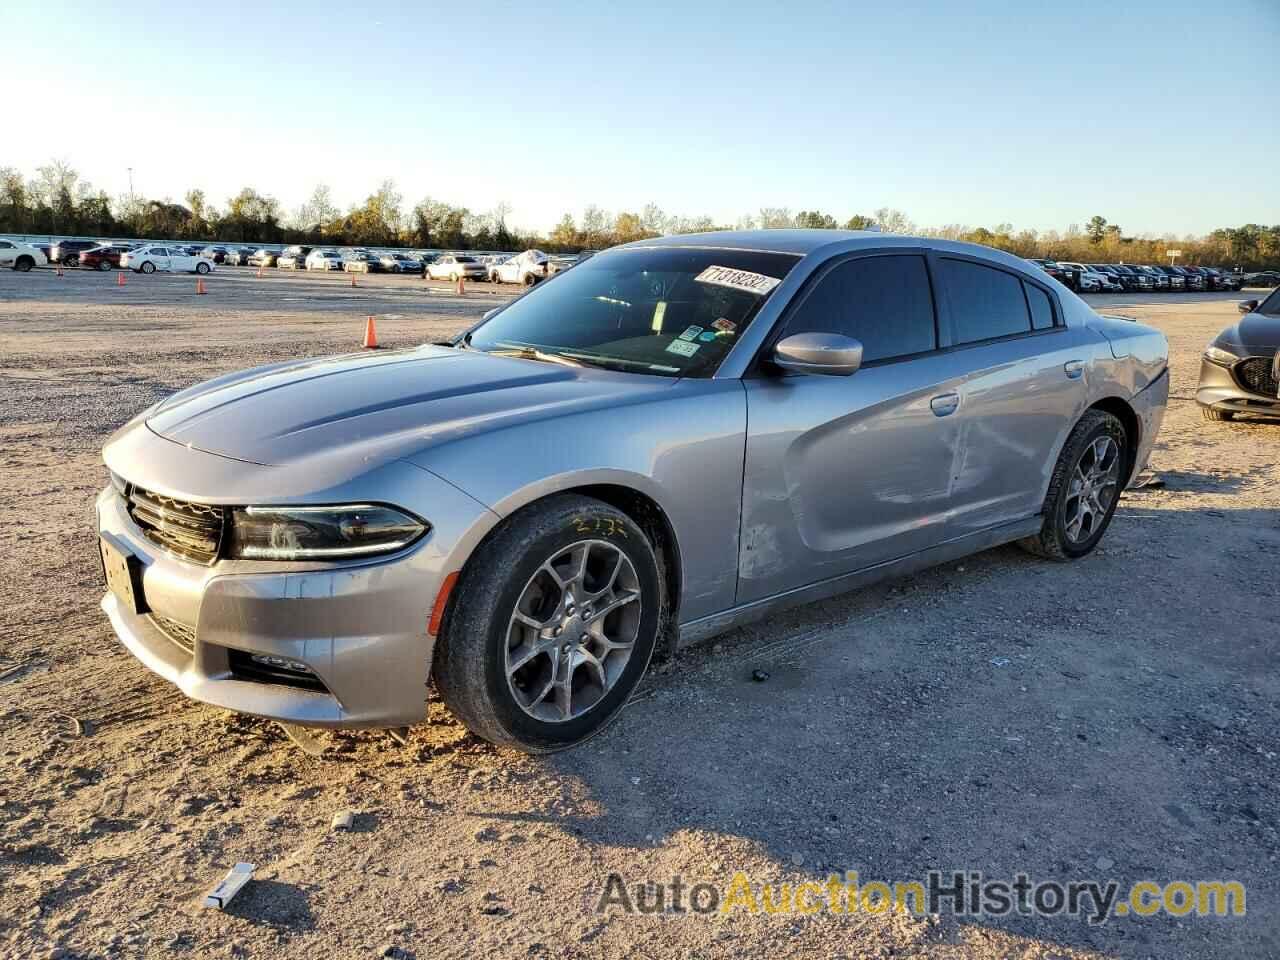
(684, 451)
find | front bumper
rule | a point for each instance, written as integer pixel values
(360, 627)
(1219, 389)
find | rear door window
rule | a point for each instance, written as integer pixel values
(885, 302)
(986, 303)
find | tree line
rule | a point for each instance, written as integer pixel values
(58, 201)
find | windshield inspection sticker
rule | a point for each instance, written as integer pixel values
(691, 333)
(683, 347)
(725, 325)
(756, 283)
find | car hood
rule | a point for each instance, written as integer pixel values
(377, 407)
(1255, 330)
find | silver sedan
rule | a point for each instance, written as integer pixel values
(676, 437)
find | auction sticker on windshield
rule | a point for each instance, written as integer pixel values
(756, 283)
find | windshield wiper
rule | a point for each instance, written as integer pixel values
(529, 352)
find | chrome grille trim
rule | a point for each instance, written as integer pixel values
(192, 531)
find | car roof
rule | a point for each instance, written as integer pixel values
(805, 242)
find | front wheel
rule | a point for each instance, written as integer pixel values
(104, 265)
(1086, 485)
(551, 625)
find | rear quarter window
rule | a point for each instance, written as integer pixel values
(985, 302)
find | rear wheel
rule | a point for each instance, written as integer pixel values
(1084, 490)
(202, 268)
(148, 267)
(104, 265)
(551, 625)
(24, 263)
(1212, 414)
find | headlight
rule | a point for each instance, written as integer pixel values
(321, 533)
(1219, 356)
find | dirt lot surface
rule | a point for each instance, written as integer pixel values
(1118, 717)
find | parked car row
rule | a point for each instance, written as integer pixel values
(1137, 278)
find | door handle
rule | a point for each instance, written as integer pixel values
(945, 404)
(1073, 369)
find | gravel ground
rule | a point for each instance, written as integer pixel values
(1116, 717)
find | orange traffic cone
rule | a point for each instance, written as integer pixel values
(199, 285)
(353, 279)
(120, 279)
(462, 286)
(370, 334)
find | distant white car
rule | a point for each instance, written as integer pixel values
(154, 257)
(525, 268)
(21, 256)
(451, 267)
(324, 260)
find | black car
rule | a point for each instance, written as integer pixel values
(67, 252)
(1053, 269)
(238, 256)
(1191, 280)
(216, 254)
(1221, 279)
(1238, 371)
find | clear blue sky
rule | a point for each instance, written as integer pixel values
(1161, 116)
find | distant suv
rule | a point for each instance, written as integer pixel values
(1177, 279)
(293, 257)
(67, 252)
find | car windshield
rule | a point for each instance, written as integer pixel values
(668, 311)
(1271, 305)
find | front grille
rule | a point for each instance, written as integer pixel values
(181, 634)
(190, 530)
(1257, 375)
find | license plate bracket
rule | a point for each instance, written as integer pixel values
(123, 571)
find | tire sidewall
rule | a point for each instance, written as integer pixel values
(590, 522)
(1109, 427)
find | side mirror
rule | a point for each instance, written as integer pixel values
(1247, 306)
(824, 354)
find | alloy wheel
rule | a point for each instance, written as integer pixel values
(1095, 483)
(573, 630)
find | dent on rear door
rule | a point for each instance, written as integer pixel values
(1017, 406)
(843, 472)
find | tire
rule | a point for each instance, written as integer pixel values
(148, 267)
(530, 279)
(1097, 434)
(1212, 414)
(522, 706)
(24, 264)
(104, 265)
(202, 268)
